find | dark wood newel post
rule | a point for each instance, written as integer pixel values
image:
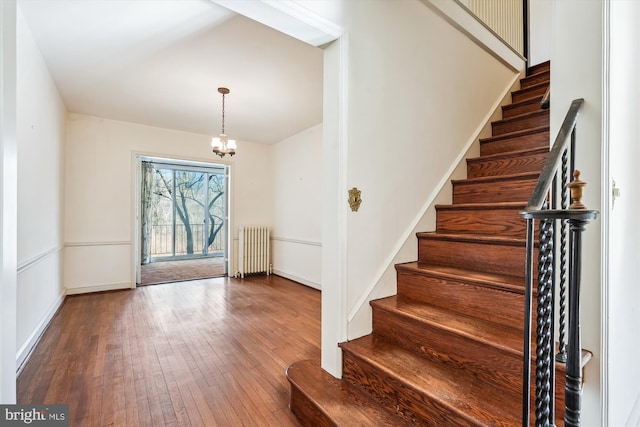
(573, 386)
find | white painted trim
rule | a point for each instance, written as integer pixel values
(136, 166)
(33, 261)
(409, 231)
(97, 288)
(296, 241)
(604, 221)
(462, 18)
(295, 278)
(343, 169)
(8, 200)
(25, 351)
(114, 243)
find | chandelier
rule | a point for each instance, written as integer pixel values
(221, 145)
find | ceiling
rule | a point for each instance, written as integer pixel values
(160, 62)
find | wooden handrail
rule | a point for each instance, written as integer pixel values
(555, 157)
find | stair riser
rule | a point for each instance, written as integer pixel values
(528, 142)
(399, 397)
(532, 120)
(452, 349)
(506, 166)
(491, 258)
(308, 413)
(530, 92)
(512, 110)
(492, 222)
(501, 307)
(534, 79)
(490, 192)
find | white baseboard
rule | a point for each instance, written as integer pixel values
(25, 351)
(98, 288)
(305, 282)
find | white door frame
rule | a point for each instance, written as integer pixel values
(8, 201)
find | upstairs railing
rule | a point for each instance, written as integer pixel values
(552, 189)
(506, 18)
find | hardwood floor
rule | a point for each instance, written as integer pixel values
(200, 353)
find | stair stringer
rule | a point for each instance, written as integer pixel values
(359, 319)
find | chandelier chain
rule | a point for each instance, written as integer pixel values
(223, 113)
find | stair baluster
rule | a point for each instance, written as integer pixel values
(564, 203)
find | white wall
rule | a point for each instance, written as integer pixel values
(622, 309)
(99, 218)
(403, 109)
(539, 31)
(577, 59)
(297, 202)
(40, 131)
(8, 200)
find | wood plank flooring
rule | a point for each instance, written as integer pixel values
(200, 353)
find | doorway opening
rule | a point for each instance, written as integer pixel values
(183, 220)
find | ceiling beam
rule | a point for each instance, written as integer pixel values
(288, 17)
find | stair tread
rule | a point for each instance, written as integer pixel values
(521, 116)
(483, 206)
(344, 404)
(541, 75)
(532, 100)
(470, 398)
(511, 177)
(506, 155)
(493, 280)
(532, 87)
(473, 238)
(516, 134)
(506, 338)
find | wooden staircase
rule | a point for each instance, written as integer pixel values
(447, 349)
